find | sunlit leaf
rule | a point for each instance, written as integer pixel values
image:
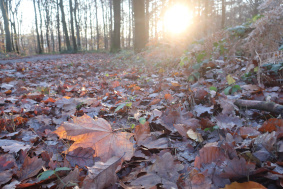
(230, 79)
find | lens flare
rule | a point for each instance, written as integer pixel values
(177, 19)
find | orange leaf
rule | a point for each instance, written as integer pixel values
(271, 125)
(8, 92)
(98, 135)
(20, 120)
(136, 88)
(49, 100)
(169, 97)
(244, 185)
(154, 101)
(115, 84)
(66, 97)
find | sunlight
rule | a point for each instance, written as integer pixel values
(177, 19)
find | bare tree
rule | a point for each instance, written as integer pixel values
(65, 26)
(72, 27)
(36, 29)
(140, 25)
(4, 9)
(97, 27)
(115, 42)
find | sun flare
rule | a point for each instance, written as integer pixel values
(177, 19)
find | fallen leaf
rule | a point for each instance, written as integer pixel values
(98, 135)
(230, 79)
(30, 168)
(81, 157)
(12, 146)
(245, 185)
(208, 154)
(102, 175)
(248, 132)
(237, 168)
(194, 135)
(142, 131)
(154, 101)
(271, 125)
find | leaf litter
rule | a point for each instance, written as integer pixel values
(127, 124)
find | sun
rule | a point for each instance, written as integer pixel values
(177, 19)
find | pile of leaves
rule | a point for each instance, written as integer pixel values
(94, 121)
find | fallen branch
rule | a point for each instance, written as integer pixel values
(260, 105)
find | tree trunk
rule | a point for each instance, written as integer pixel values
(72, 27)
(110, 21)
(77, 25)
(104, 26)
(41, 30)
(5, 15)
(223, 14)
(47, 23)
(140, 25)
(36, 29)
(130, 25)
(58, 27)
(97, 29)
(115, 42)
(65, 26)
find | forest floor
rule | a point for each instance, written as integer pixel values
(138, 121)
(31, 58)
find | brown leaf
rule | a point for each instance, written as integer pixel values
(248, 132)
(244, 185)
(72, 177)
(30, 167)
(142, 132)
(7, 161)
(198, 180)
(208, 154)
(102, 175)
(5, 176)
(98, 135)
(115, 84)
(237, 168)
(154, 101)
(168, 97)
(164, 170)
(81, 157)
(271, 125)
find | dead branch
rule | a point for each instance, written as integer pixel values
(260, 105)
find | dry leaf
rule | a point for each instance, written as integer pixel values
(98, 135)
(245, 185)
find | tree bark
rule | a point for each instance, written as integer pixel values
(65, 26)
(41, 30)
(36, 29)
(97, 29)
(104, 26)
(72, 27)
(77, 25)
(47, 23)
(260, 105)
(5, 15)
(115, 42)
(130, 25)
(58, 27)
(223, 14)
(140, 25)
